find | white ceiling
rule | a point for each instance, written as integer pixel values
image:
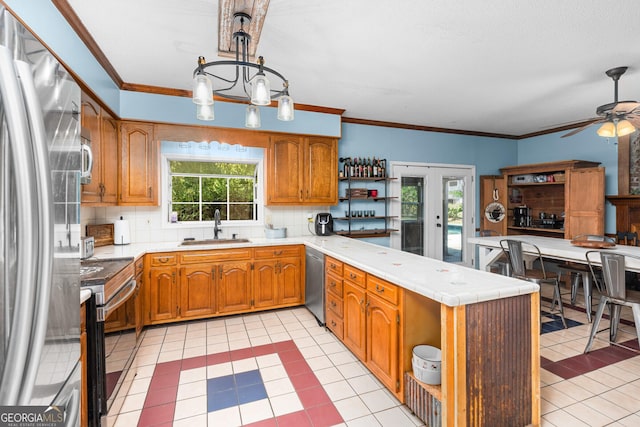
(499, 66)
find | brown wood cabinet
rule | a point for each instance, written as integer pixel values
(234, 287)
(572, 190)
(334, 288)
(103, 129)
(277, 276)
(302, 170)
(197, 290)
(370, 321)
(201, 284)
(138, 165)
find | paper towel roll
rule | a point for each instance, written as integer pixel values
(121, 232)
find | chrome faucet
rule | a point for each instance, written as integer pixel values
(216, 224)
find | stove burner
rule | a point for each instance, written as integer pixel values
(90, 269)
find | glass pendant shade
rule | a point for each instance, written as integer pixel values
(624, 127)
(607, 130)
(205, 112)
(260, 90)
(285, 108)
(202, 90)
(252, 117)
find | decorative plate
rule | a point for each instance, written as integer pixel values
(494, 212)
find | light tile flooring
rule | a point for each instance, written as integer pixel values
(339, 389)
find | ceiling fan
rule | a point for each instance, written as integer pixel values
(618, 118)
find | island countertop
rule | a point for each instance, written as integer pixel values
(449, 284)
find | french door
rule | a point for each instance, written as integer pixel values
(433, 209)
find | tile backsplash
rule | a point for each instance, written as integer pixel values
(147, 226)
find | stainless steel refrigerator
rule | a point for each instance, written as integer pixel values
(39, 228)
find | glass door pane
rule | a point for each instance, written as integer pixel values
(453, 227)
(412, 214)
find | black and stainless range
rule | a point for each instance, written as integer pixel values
(109, 357)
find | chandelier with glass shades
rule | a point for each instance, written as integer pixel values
(240, 80)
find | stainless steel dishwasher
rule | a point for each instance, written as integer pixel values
(314, 283)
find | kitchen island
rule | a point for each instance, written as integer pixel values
(486, 325)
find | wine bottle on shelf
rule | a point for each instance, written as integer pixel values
(351, 168)
(369, 168)
(375, 167)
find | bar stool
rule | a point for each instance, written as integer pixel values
(515, 254)
(581, 273)
(614, 294)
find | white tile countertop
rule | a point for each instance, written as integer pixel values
(449, 284)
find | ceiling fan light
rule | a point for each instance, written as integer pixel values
(202, 90)
(205, 112)
(624, 127)
(607, 130)
(260, 90)
(252, 117)
(285, 108)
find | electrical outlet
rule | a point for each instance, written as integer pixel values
(309, 217)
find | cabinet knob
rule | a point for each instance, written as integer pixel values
(379, 288)
(333, 303)
(353, 276)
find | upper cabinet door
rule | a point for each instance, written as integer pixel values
(139, 158)
(321, 176)
(584, 202)
(284, 171)
(90, 120)
(302, 171)
(109, 155)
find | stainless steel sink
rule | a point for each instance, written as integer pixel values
(212, 242)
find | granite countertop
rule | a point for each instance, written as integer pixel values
(449, 284)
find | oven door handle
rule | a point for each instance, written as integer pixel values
(120, 298)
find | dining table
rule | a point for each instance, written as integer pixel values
(489, 250)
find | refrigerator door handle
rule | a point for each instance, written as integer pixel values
(44, 233)
(23, 167)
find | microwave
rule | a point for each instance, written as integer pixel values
(87, 156)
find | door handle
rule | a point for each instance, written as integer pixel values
(439, 225)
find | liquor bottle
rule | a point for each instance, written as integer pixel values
(369, 168)
(345, 168)
(375, 167)
(351, 167)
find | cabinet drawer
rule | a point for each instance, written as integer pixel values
(383, 289)
(162, 259)
(332, 264)
(333, 284)
(335, 324)
(218, 255)
(334, 304)
(139, 265)
(354, 275)
(277, 251)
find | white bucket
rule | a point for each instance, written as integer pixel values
(426, 363)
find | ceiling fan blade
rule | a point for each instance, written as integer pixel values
(583, 127)
(625, 107)
(634, 119)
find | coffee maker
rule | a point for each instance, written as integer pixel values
(522, 216)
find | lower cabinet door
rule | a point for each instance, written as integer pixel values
(234, 287)
(382, 341)
(290, 274)
(265, 284)
(197, 290)
(163, 304)
(354, 320)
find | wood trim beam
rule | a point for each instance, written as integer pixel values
(257, 9)
(72, 18)
(424, 128)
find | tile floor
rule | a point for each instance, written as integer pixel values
(281, 369)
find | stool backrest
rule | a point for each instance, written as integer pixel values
(613, 272)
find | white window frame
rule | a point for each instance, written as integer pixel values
(166, 192)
